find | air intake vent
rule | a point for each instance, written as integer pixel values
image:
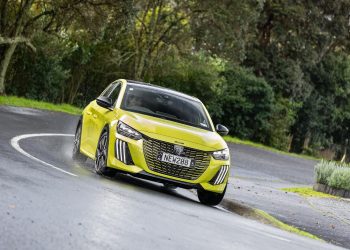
(220, 176)
(122, 152)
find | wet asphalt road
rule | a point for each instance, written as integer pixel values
(42, 208)
(257, 179)
(249, 161)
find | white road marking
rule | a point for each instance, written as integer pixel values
(14, 143)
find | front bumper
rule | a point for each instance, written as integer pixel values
(120, 146)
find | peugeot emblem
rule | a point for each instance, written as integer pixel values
(178, 149)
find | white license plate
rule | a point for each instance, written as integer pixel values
(174, 159)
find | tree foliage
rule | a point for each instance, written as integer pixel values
(273, 71)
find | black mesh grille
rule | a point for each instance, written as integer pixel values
(152, 147)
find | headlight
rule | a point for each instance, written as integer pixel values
(128, 131)
(222, 154)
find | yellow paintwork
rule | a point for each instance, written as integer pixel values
(95, 118)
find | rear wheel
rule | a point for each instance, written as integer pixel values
(76, 155)
(210, 198)
(102, 155)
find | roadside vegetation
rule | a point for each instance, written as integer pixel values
(308, 192)
(236, 140)
(279, 224)
(333, 174)
(272, 72)
(264, 217)
(23, 102)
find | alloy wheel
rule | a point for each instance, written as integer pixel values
(101, 154)
(77, 140)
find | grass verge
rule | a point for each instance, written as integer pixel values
(308, 192)
(263, 217)
(235, 140)
(277, 223)
(28, 103)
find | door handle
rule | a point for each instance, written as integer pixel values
(88, 113)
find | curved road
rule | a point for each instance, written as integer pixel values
(42, 207)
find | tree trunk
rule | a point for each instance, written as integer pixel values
(344, 156)
(346, 143)
(307, 140)
(4, 64)
(14, 34)
(290, 141)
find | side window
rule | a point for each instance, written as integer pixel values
(107, 90)
(112, 91)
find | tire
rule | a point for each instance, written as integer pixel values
(76, 155)
(102, 156)
(210, 198)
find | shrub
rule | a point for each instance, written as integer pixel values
(247, 103)
(333, 174)
(283, 117)
(340, 179)
(323, 170)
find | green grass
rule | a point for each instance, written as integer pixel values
(263, 217)
(23, 102)
(277, 223)
(261, 146)
(308, 192)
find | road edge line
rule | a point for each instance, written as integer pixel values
(15, 144)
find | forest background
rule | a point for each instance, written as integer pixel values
(276, 72)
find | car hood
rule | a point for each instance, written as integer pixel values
(174, 132)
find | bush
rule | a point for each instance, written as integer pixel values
(323, 170)
(39, 75)
(333, 174)
(281, 121)
(247, 104)
(340, 179)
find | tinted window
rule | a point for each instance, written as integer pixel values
(165, 104)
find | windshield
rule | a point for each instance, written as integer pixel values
(165, 104)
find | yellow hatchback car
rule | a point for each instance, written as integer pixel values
(157, 134)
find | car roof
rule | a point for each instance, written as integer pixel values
(132, 82)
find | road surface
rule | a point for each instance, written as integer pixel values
(49, 202)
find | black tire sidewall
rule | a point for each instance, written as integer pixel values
(210, 198)
(104, 168)
(76, 155)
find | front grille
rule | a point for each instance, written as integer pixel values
(152, 147)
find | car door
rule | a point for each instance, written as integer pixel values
(100, 115)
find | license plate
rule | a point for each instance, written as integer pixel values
(174, 159)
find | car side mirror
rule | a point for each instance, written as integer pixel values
(104, 102)
(221, 129)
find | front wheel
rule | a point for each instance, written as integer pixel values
(76, 155)
(210, 198)
(102, 155)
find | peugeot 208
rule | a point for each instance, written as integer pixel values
(157, 134)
